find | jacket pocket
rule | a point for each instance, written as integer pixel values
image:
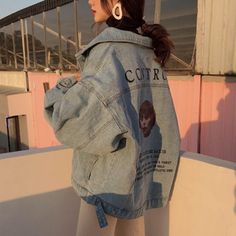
(91, 168)
(82, 166)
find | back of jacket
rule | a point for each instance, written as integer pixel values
(121, 122)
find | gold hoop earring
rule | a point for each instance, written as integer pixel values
(117, 6)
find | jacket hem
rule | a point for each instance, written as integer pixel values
(112, 210)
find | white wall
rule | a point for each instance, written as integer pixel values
(216, 36)
(13, 79)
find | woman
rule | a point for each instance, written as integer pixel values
(120, 120)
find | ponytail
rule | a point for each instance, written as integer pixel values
(161, 43)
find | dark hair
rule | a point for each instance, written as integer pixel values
(161, 42)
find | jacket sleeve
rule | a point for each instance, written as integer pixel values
(79, 119)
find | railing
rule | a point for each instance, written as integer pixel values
(19, 42)
(19, 38)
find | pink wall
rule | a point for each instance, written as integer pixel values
(218, 119)
(186, 98)
(44, 135)
(21, 104)
(205, 110)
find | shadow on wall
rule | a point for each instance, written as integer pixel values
(56, 214)
(48, 214)
(11, 144)
(217, 138)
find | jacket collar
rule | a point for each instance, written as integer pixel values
(111, 34)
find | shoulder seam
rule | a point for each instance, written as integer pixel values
(98, 66)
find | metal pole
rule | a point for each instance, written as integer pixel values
(6, 49)
(27, 43)
(157, 14)
(52, 32)
(17, 130)
(8, 134)
(33, 42)
(14, 45)
(59, 34)
(45, 39)
(76, 24)
(23, 42)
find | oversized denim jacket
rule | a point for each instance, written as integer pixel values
(121, 123)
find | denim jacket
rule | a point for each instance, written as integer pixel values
(120, 120)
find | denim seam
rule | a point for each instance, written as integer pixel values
(127, 90)
(100, 65)
(91, 89)
(95, 134)
(128, 40)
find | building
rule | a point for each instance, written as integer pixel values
(201, 72)
(36, 195)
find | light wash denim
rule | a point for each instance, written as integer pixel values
(121, 123)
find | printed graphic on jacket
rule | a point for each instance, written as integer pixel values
(152, 157)
(147, 118)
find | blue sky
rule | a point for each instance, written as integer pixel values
(11, 6)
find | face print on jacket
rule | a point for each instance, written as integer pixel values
(147, 118)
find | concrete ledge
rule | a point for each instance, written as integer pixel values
(13, 79)
(37, 199)
(217, 78)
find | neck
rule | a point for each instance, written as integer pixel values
(125, 23)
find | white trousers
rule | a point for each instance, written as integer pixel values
(155, 222)
(88, 224)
